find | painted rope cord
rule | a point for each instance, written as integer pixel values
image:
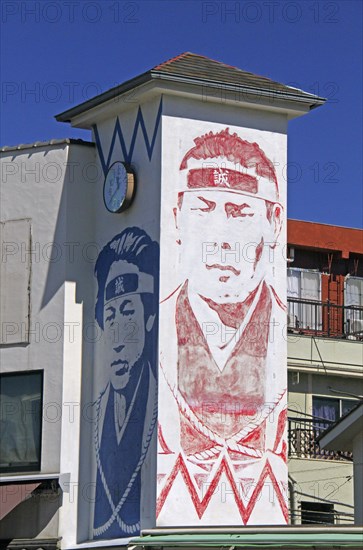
(133, 528)
(122, 431)
(232, 442)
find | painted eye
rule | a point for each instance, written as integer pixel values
(238, 210)
(126, 308)
(127, 312)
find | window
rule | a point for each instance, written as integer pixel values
(20, 421)
(15, 267)
(317, 512)
(353, 300)
(304, 299)
(330, 409)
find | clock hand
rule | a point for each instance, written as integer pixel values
(118, 186)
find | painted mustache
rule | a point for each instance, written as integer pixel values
(224, 268)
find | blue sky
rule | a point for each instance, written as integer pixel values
(56, 54)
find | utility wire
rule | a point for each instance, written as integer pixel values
(336, 489)
(324, 479)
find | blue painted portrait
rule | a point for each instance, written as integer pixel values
(126, 408)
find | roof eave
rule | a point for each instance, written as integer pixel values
(67, 116)
(312, 100)
(308, 100)
(50, 143)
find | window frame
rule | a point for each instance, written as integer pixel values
(303, 313)
(317, 510)
(31, 468)
(338, 400)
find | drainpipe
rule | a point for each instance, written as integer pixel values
(293, 501)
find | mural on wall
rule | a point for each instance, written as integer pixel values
(126, 409)
(222, 412)
(118, 137)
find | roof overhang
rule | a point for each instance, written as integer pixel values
(342, 434)
(155, 83)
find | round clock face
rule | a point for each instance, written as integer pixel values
(118, 188)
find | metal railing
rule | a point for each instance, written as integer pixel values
(302, 440)
(335, 517)
(324, 319)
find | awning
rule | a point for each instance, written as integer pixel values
(12, 494)
(27, 504)
(263, 537)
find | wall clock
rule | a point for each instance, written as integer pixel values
(119, 187)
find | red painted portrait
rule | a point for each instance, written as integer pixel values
(222, 386)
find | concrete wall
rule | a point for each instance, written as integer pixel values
(335, 356)
(323, 480)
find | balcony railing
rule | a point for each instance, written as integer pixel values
(324, 319)
(302, 439)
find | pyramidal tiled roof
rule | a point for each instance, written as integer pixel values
(191, 65)
(200, 70)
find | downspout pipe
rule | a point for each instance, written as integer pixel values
(293, 501)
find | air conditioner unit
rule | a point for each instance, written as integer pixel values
(291, 255)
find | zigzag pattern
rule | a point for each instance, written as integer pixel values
(117, 132)
(201, 504)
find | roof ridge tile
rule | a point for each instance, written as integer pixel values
(168, 61)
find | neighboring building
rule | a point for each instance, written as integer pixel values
(45, 247)
(347, 434)
(66, 260)
(325, 363)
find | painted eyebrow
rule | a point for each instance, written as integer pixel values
(210, 205)
(109, 312)
(124, 304)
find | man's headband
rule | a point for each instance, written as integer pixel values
(129, 283)
(221, 174)
(221, 177)
(227, 179)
